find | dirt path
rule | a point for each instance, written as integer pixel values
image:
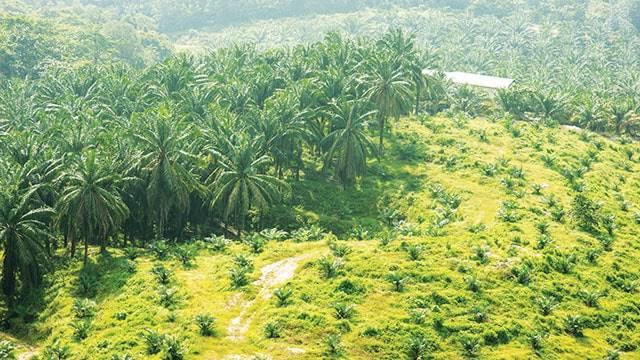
(271, 277)
(28, 354)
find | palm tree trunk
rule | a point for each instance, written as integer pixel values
(86, 250)
(73, 246)
(381, 142)
(418, 94)
(103, 245)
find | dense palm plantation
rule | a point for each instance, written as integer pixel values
(185, 145)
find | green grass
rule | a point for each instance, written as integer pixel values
(460, 286)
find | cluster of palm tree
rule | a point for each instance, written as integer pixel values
(578, 61)
(108, 155)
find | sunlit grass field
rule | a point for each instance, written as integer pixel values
(461, 242)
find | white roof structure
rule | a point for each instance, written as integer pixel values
(484, 81)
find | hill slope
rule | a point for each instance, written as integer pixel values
(485, 258)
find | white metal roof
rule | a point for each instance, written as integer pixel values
(490, 82)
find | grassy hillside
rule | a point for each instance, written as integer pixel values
(463, 243)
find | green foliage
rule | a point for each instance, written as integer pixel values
(574, 325)
(153, 341)
(7, 350)
(334, 347)
(239, 277)
(56, 351)
(84, 308)
(240, 139)
(81, 329)
(585, 212)
(205, 324)
(272, 330)
(167, 296)
(343, 311)
(330, 267)
(162, 274)
(256, 242)
(420, 347)
(283, 296)
(397, 280)
(173, 349)
(185, 255)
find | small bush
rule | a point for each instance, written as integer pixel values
(473, 284)
(543, 241)
(185, 255)
(574, 325)
(88, 283)
(7, 349)
(557, 213)
(173, 349)
(131, 253)
(272, 330)
(360, 233)
(536, 189)
(397, 280)
(238, 277)
(205, 324)
(481, 254)
(349, 287)
(217, 243)
(591, 298)
(256, 243)
(339, 250)
(242, 261)
(81, 329)
(167, 297)
(562, 263)
(310, 233)
(420, 347)
(283, 296)
(612, 355)
(343, 311)
(585, 212)
(274, 234)
(160, 249)
(162, 274)
(508, 213)
(536, 340)
(334, 347)
(415, 252)
(153, 341)
(84, 308)
(56, 351)
(522, 273)
(470, 346)
(330, 267)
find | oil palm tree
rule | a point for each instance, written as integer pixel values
(348, 142)
(90, 206)
(387, 87)
(623, 115)
(241, 184)
(169, 183)
(23, 230)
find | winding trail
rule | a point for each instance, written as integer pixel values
(271, 277)
(29, 354)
